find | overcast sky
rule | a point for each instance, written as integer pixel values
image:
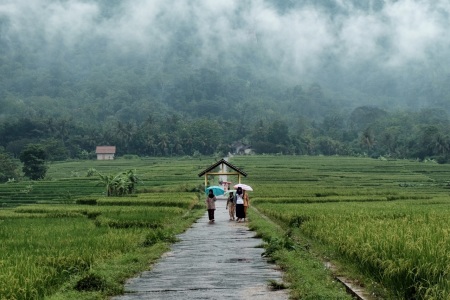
(301, 39)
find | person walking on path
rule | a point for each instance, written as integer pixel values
(240, 214)
(211, 205)
(246, 203)
(231, 206)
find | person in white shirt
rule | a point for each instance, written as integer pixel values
(239, 200)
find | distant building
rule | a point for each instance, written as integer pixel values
(105, 152)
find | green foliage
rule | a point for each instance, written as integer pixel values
(384, 220)
(33, 158)
(158, 175)
(86, 201)
(8, 168)
(122, 184)
(91, 172)
(130, 156)
(83, 252)
(277, 244)
(157, 236)
(422, 134)
(305, 275)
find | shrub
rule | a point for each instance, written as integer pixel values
(91, 282)
(91, 172)
(86, 201)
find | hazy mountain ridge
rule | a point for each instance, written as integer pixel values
(243, 63)
(161, 52)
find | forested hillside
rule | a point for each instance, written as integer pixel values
(194, 77)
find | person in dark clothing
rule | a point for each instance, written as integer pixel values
(211, 205)
(231, 206)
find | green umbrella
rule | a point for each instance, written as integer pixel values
(217, 190)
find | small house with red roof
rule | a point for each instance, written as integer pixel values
(105, 152)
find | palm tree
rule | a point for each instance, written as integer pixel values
(390, 139)
(367, 139)
(126, 131)
(441, 144)
(163, 143)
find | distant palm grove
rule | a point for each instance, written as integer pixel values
(367, 131)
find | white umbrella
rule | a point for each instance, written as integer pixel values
(243, 186)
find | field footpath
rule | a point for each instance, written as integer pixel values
(211, 261)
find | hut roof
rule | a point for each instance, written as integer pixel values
(222, 161)
(105, 150)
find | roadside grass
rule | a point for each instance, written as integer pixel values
(306, 276)
(107, 278)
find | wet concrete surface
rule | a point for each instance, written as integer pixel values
(212, 261)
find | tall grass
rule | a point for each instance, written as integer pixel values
(391, 219)
(46, 246)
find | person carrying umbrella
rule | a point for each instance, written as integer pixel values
(239, 204)
(211, 205)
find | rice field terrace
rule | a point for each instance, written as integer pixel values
(388, 219)
(61, 238)
(68, 181)
(384, 223)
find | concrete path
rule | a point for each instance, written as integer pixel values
(212, 261)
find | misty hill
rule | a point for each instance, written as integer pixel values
(101, 62)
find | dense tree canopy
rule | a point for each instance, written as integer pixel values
(422, 134)
(33, 158)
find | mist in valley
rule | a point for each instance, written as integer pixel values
(294, 61)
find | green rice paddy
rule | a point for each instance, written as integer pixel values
(380, 221)
(389, 219)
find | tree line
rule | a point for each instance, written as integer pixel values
(365, 131)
